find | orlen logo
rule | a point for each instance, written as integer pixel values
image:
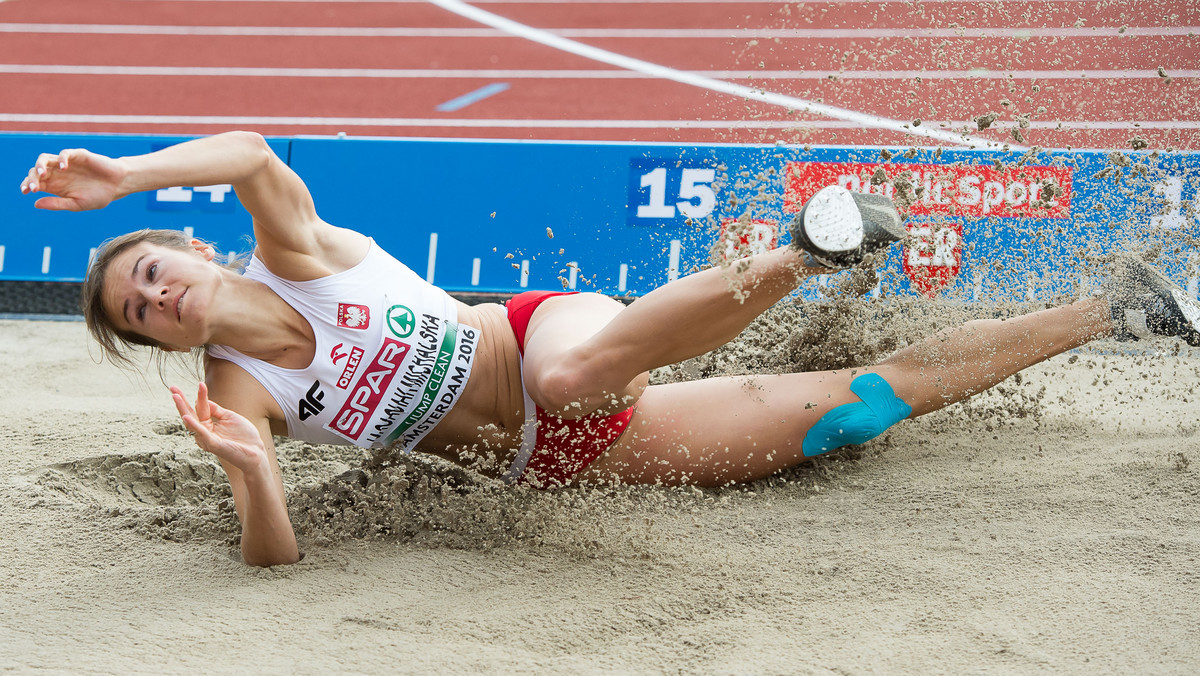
(368, 390)
(943, 189)
(351, 316)
(355, 358)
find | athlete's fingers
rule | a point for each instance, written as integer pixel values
(70, 156)
(56, 204)
(181, 403)
(30, 184)
(43, 162)
(203, 410)
(204, 437)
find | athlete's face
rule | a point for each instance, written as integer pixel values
(162, 293)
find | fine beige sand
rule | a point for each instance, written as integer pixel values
(1051, 526)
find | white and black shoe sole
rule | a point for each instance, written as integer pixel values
(1145, 303)
(838, 227)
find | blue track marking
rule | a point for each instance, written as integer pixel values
(477, 95)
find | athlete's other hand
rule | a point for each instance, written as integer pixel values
(224, 433)
(79, 179)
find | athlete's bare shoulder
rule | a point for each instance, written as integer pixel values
(234, 388)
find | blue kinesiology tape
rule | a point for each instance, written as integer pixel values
(858, 421)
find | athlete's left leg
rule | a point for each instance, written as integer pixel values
(722, 430)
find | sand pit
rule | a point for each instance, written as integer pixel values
(1053, 526)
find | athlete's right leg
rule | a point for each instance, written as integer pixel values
(586, 353)
(573, 360)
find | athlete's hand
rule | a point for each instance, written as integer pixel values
(79, 179)
(220, 431)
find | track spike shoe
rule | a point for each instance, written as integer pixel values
(838, 227)
(1145, 303)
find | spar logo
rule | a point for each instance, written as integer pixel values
(355, 356)
(932, 254)
(368, 390)
(350, 316)
(942, 189)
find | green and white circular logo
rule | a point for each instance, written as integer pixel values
(401, 321)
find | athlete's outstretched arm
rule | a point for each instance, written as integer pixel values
(246, 451)
(292, 239)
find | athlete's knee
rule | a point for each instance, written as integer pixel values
(857, 422)
(573, 387)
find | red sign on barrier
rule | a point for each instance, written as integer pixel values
(933, 255)
(942, 189)
(751, 238)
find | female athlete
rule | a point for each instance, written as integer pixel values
(325, 337)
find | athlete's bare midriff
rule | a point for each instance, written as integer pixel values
(483, 430)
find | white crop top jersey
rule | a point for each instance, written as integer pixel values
(391, 358)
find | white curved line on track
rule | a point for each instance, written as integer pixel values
(712, 84)
(473, 123)
(632, 33)
(517, 74)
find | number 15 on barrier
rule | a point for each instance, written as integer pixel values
(669, 192)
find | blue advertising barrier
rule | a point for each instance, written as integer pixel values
(503, 216)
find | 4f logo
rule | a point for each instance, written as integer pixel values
(311, 404)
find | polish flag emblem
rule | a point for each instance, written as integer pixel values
(352, 316)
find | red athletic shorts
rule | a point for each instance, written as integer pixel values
(561, 448)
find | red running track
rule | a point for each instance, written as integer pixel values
(1058, 74)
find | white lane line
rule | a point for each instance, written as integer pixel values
(905, 4)
(468, 123)
(711, 84)
(434, 73)
(635, 33)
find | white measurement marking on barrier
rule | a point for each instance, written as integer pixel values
(189, 232)
(524, 273)
(1, 258)
(45, 260)
(572, 274)
(622, 277)
(673, 260)
(432, 257)
(475, 271)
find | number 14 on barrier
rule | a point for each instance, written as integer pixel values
(666, 195)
